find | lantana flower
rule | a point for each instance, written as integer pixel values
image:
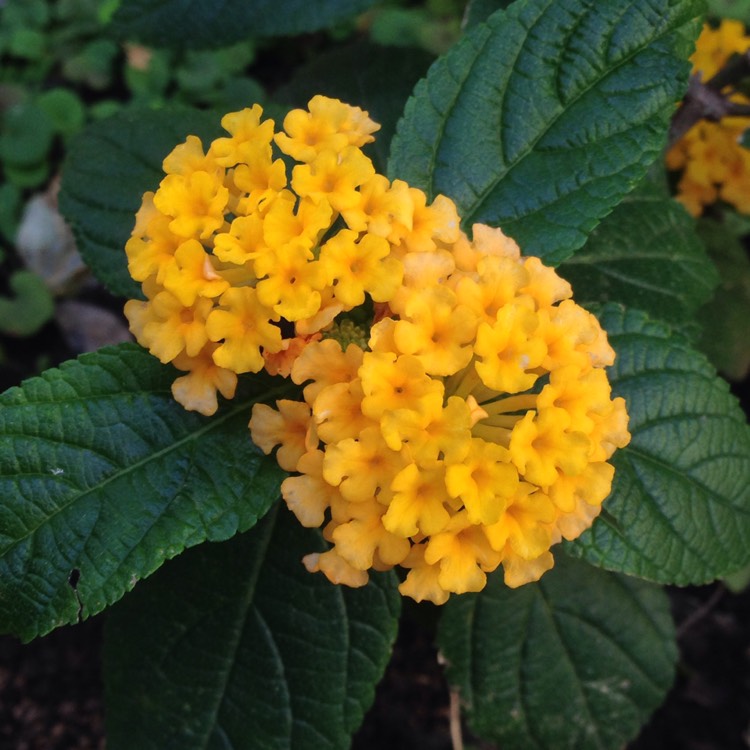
(712, 161)
(454, 414)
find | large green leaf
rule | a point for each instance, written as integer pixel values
(237, 645)
(724, 318)
(540, 120)
(192, 24)
(645, 254)
(679, 511)
(478, 11)
(104, 476)
(108, 167)
(576, 661)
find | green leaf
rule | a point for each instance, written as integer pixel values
(540, 120)
(724, 318)
(108, 167)
(26, 136)
(739, 9)
(645, 254)
(185, 23)
(378, 79)
(64, 109)
(478, 11)
(30, 307)
(679, 511)
(104, 476)
(237, 645)
(578, 660)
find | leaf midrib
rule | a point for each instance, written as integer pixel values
(492, 185)
(211, 425)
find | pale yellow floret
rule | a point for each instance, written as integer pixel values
(380, 205)
(393, 382)
(327, 125)
(432, 431)
(197, 391)
(195, 203)
(338, 411)
(437, 330)
(242, 324)
(430, 224)
(189, 157)
(540, 444)
(464, 555)
(242, 243)
(167, 327)
(354, 266)
(193, 275)
(323, 363)
(335, 568)
(292, 221)
(510, 350)
(289, 426)
(497, 283)
(484, 481)
(154, 255)
(359, 539)
(290, 282)
(363, 468)
(308, 495)
(421, 583)
(419, 500)
(333, 177)
(519, 571)
(245, 128)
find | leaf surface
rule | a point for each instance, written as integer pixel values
(104, 476)
(196, 24)
(237, 645)
(645, 254)
(108, 167)
(576, 661)
(679, 511)
(541, 119)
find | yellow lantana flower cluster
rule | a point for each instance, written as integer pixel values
(467, 423)
(713, 163)
(473, 430)
(243, 259)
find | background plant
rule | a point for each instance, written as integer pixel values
(107, 478)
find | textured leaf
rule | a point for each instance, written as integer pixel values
(724, 318)
(645, 254)
(376, 78)
(196, 24)
(478, 11)
(540, 120)
(237, 645)
(108, 167)
(104, 476)
(576, 661)
(679, 511)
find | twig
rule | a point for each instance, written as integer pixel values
(700, 612)
(711, 100)
(457, 739)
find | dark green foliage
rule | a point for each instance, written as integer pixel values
(270, 656)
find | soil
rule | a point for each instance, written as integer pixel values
(51, 689)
